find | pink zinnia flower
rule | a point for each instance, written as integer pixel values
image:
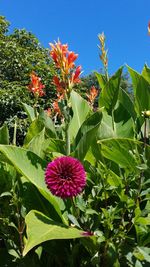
(65, 177)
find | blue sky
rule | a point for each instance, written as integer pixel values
(79, 22)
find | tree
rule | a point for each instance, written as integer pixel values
(20, 54)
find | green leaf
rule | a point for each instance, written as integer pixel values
(40, 228)
(105, 130)
(30, 112)
(142, 253)
(35, 128)
(141, 91)
(113, 179)
(101, 79)
(109, 93)
(146, 73)
(33, 168)
(4, 135)
(86, 135)
(80, 109)
(48, 124)
(36, 144)
(54, 145)
(122, 151)
(142, 220)
(43, 121)
(123, 122)
(127, 103)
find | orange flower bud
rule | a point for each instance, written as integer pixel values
(93, 94)
(75, 75)
(36, 87)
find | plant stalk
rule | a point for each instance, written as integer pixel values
(15, 133)
(145, 126)
(67, 139)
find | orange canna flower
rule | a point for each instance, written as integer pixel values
(48, 112)
(75, 75)
(58, 53)
(93, 94)
(68, 75)
(63, 58)
(56, 107)
(71, 58)
(36, 87)
(59, 85)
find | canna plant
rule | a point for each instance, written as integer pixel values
(77, 192)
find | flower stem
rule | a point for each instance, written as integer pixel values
(145, 126)
(35, 107)
(15, 132)
(67, 139)
(113, 120)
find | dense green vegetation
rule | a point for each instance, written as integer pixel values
(108, 223)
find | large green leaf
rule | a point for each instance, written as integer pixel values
(141, 91)
(48, 124)
(146, 73)
(101, 79)
(36, 144)
(40, 228)
(43, 121)
(109, 93)
(80, 109)
(30, 112)
(4, 135)
(123, 151)
(35, 128)
(54, 145)
(127, 103)
(123, 124)
(86, 135)
(105, 130)
(32, 167)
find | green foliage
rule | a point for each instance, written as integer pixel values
(20, 54)
(42, 228)
(108, 224)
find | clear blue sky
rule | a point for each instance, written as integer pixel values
(78, 24)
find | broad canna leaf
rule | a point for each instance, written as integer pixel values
(86, 135)
(141, 91)
(109, 93)
(101, 79)
(40, 228)
(32, 167)
(80, 109)
(34, 129)
(48, 124)
(127, 103)
(123, 151)
(146, 73)
(36, 144)
(37, 126)
(4, 135)
(30, 112)
(123, 124)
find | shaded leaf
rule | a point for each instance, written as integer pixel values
(4, 135)
(40, 228)
(33, 168)
(80, 109)
(86, 135)
(109, 93)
